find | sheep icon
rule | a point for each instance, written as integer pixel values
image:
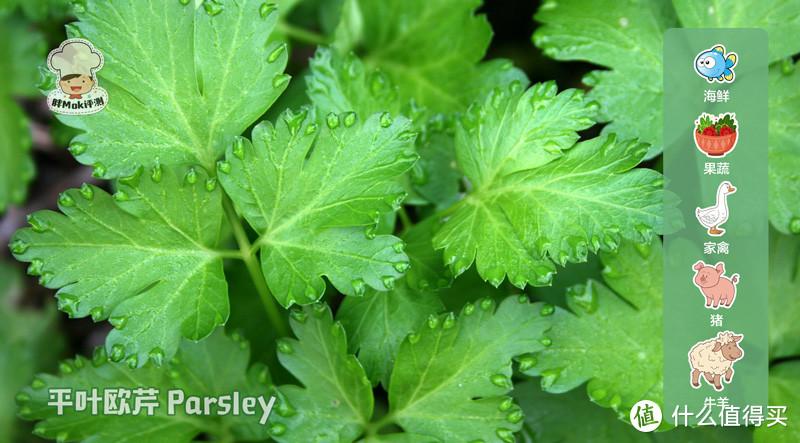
(714, 358)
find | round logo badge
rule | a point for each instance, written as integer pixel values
(646, 416)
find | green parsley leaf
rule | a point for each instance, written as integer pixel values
(108, 256)
(29, 342)
(784, 152)
(416, 43)
(215, 366)
(624, 36)
(336, 402)
(526, 186)
(16, 169)
(517, 130)
(437, 177)
(340, 84)
(569, 418)
(780, 18)
(396, 438)
(343, 84)
(181, 82)
(37, 10)
(22, 49)
(456, 369)
(599, 321)
(784, 285)
(627, 37)
(379, 321)
(311, 213)
(426, 268)
(783, 381)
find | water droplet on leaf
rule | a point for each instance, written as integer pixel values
(191, 176)
(67, 304)
(469, 309)
(238, 147)
(515, 416)
(99, 356)
(266, 9)
(212, 7)
(157, 356)
(526, 363)
(96, 313)
(36, 266)
(449, 321)
(132, 361)
(77, 148)
(386, 120)
(349, 119)
(276, 53)
(99, 170)
(280, 80)
(277, 429)
(19, 246)
(500, 380)
(87, 192)
(65, 368)
(37, 224)
(284, 347)
(224, 166)
(332, 120)
(117, 353)
(118, 322)
(794, 226)
(299, 315)
(359, 287)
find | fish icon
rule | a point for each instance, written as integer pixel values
(714, 64)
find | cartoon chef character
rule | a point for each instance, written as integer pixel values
(76, 62)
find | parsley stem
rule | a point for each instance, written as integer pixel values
(374, 427)
(229, 253)
(251, 263)
(405, 219)
(450, 210)
(301, 35)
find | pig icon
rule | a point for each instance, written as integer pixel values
(718, 289)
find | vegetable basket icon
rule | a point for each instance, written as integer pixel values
(716, 136)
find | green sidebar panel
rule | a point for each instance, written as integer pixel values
(716, 242)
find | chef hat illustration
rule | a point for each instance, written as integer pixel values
(75, 56)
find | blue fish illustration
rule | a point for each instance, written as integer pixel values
(715, 65)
